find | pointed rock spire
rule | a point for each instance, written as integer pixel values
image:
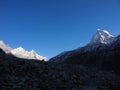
(101, 36)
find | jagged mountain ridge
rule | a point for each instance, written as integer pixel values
(102, 42)
(5, 47)
(78, 71)
(24, 74)
(101, 36)
(21, 52)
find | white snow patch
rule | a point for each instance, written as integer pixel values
(21, 52)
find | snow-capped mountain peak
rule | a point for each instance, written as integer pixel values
(101, 36)
(100, 40)
(21, 52)
(19, 49)
(5, 47)
(32, 51)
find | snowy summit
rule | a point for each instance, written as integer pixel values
(100, 40)
(101, 36)
(21, 52)
(5, 47)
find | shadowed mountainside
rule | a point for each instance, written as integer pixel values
(93, 67)
(23, 74)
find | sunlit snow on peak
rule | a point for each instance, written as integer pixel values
(21, 52)
(101, 36)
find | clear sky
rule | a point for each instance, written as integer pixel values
(53, 26)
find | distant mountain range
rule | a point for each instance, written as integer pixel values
(21, 52)
(95, 66)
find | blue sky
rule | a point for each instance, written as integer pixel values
(52, 26)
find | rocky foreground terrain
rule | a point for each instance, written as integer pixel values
(22, 74)
(95, 66)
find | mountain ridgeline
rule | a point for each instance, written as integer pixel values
(103, 51)
(21, 52)
(95, 66)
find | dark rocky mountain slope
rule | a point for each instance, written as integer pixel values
(104, 56)
(22, 74)
(93, 67)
